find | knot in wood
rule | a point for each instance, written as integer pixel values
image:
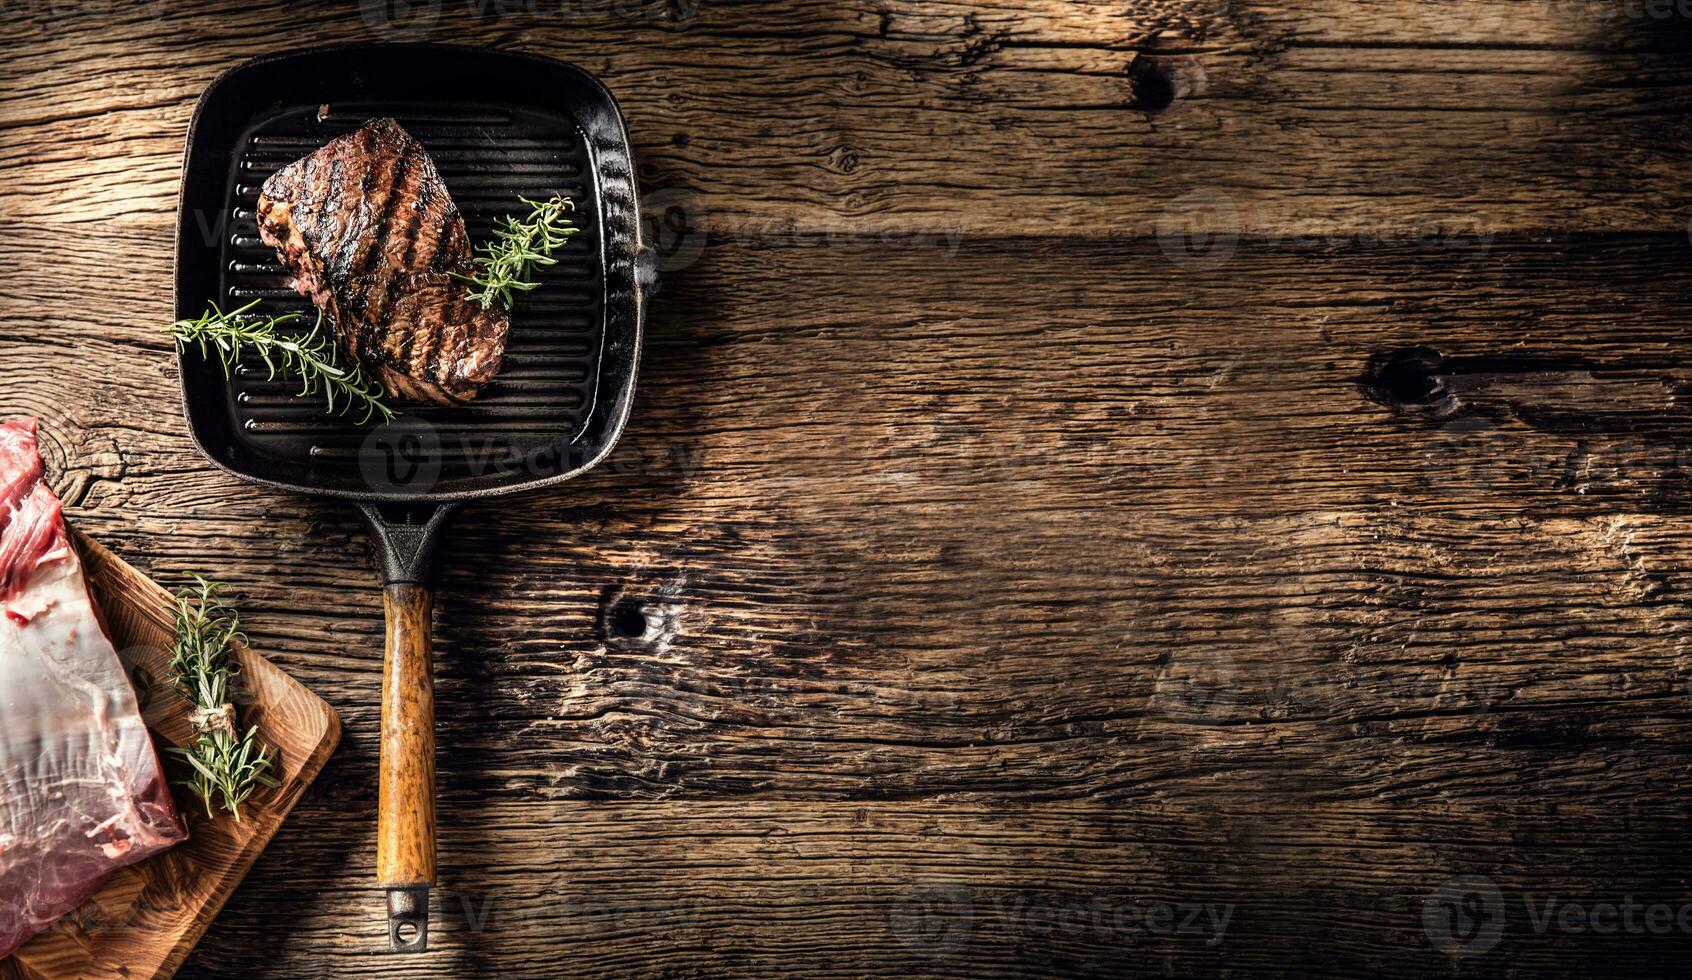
(1158, 82)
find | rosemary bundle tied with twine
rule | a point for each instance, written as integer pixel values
(227, 764)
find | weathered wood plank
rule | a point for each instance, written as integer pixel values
(1098, 375)
(996, 119)
(976, 545)
(857, 599)
(761, 888)
(1163, 539)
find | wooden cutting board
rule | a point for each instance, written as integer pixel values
(147, 917)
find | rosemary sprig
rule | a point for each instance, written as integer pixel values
(508, 263)
(228, 765)
(309, 356)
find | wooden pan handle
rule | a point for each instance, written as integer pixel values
(405, 835)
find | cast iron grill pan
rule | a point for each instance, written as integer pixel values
(499, 126)
(489, 157)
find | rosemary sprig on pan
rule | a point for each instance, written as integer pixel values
(228, 765)
(507, 264)
(308, 356)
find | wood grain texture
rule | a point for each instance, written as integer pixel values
(1006, 546)
(1312, 117)
(405, 835)
(146, 918)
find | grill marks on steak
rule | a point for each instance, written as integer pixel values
(368, 230)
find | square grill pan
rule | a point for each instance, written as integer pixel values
(564, 390)
(498, 126)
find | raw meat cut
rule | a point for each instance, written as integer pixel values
(81, 792)
(370, 233)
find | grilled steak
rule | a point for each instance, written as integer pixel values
(370, 234)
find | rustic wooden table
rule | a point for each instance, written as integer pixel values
(1127, 486)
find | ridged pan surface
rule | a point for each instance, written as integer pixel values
(500, 126)
(490, 157)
